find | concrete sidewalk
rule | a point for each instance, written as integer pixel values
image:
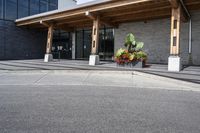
(94, 78)
(189, 74)
(96, 101)
(77, 101)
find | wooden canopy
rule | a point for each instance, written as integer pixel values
(111, 13)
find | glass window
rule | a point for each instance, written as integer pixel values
(34, 7)
(106, 44)
(22, 8)
(53, 5)
(79, 44)
(43, 5)
(53, 1)
(11, 9)
(87, 43)
(1, 9)
(109, 44)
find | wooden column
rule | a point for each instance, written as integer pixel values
(175, 31)
(95, 36)
(49, 39)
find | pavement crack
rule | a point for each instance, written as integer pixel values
(40, 78)
(87, 76)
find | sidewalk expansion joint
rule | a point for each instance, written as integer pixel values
(43, 76)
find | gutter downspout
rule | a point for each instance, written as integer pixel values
(190, 36)
(190, 32)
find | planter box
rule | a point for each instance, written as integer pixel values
(135, 64)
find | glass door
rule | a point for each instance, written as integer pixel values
(62, 45)
(106, 44)
(87, 43)
(83, 44)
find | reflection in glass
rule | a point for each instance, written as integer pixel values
(34, 7)
(22, 8)
(79, 44)
(43, 5)
(10, 9)
(62, 45)
(1, 9)
(13, 9)
(87, 43)
(53, 1)
(106, 44)
(53, 5)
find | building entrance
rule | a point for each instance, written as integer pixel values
(106, 44)
(62, 45)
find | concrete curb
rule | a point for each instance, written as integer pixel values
(167, 79)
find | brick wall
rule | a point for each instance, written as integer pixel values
(21, 43)
(156, 36)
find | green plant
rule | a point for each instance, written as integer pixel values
(141, 55)
(120, 52)
(131, 43)
(122, 56)
(132, 56)
(132, 53)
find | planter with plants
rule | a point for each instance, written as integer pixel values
(132, 55)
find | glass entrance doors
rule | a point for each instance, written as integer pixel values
(106, 44)
(83, 44)
(62, 45)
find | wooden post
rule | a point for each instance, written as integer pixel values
(49, 39)
(95, 36)
(174, 61)
(175, 31)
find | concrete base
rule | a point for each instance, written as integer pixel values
(174, 64)
(48, 58)
(94, 60)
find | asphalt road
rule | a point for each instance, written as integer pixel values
(81, 102)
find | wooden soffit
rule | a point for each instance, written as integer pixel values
(113, 12)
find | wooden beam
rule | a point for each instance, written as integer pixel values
(175, 31)
(81, 11)
(49, 39)
(64, 27)
(95, 36)
(143, 15)
(136, 9)
(184, 16)
(174, 3)
(109, 23)
(90, 15)
(44, 23)
(94, 16)
(110, 9)
(67, 21)
(143, 19)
